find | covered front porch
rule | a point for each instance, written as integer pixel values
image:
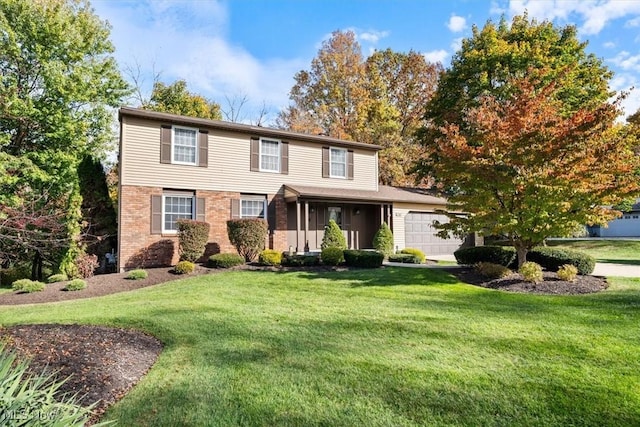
(309, 210)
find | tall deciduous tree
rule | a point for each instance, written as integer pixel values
(379, 100)
(496, 54)
(176, 99)
(58, 82)
(531, 169)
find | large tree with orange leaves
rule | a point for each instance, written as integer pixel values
(529, 170)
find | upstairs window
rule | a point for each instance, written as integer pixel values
(185, 145)
(338, 162)
(269, 155)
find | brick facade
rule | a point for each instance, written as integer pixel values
(139, 248)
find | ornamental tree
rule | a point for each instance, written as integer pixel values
(529, 169)
(176, 99)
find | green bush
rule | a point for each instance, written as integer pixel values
(332, 256)
(531, 272)
(225, 260)
(248, 236)
(27, 285)
(553, 258)
(184, 267)
(137, 274)
(383, 240)
(26, 398)
(333, 237)
(567, 272)
(270, 257)
(300, 260)
(492, 271)
(57, 278)
(405, 258)
(16, 272)
(192, 239)
(363, 259)
(75, 285)
(415, 251)
(503, 255)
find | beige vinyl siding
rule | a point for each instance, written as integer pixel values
(400, 210)
(229, 164)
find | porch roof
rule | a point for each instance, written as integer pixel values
(385, 194)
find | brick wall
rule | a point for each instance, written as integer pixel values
(139, 248)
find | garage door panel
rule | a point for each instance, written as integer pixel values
(421, 233)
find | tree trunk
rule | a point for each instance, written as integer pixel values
(36, 267)
(522, 255)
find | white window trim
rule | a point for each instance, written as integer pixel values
(164, 211)
(279, 155)
(346, 161)
(254, 198)
(173, 133)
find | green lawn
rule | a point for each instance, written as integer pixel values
(611, 251)
(389, 347)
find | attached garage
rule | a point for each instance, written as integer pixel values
(419, 232)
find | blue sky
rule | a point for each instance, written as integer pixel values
(252, 48)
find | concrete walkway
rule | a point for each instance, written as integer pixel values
(602, 268)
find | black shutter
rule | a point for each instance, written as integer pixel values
(203, 148)
(200, 209)
(325, 162)
(165, 144)
(255, 154)
(284, 158)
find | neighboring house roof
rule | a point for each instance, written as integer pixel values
(384, 194)
(242, 128)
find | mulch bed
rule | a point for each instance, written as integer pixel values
(105, 363)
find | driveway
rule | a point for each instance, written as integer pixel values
(602, 268)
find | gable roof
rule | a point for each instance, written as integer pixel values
(241, 128)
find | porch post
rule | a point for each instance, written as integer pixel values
(381, 213)
(306, 223)
(297, 225)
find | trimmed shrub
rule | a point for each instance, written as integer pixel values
(503, 255)
(184, 267)
(405, 258)
(531, 272)
(11, 274)
(383, 240)
(248, 236)
(333, 237)
(492, 271)
(137, 274)
(270, 257)
(553, 258)
(363, 259)
(225, 260)
(332, 256)
(57, 278)
(27, 285)
(300, 260)
(415, 251)
(86, 265)
(567, 272)
(75, 285)
(36, 395)
(192, 239)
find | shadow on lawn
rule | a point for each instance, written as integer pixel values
(620, 261)
(385, 276)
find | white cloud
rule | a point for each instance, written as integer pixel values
(371, 36)
(457, 24)
(436, 56)
(633, 23)
(609, 45)
(626, 61)
(456, 44)
(629, 83)
(594, 14)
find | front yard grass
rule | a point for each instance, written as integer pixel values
(387, 347)
(603, 250)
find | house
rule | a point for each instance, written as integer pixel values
(174, 167)
(628, 225)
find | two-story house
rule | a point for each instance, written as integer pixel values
(174, 167)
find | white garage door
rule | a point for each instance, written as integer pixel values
(420, 233)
